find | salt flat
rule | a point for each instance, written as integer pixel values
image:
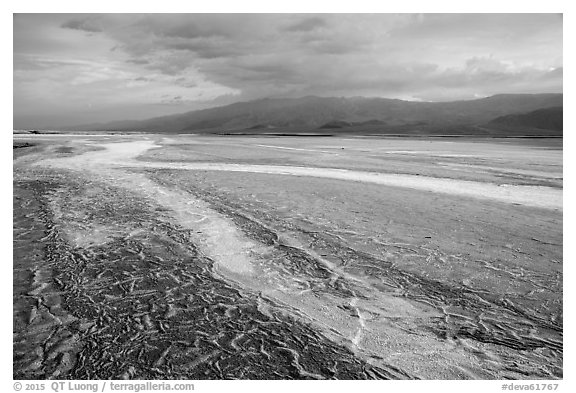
(394, 258)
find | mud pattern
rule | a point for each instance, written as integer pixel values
(145, 305)
(507, 328)
(133, 269)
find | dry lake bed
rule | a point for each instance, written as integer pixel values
(196, 257)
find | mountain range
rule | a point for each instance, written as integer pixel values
(506, 114)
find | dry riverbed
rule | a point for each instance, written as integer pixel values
(148, 257)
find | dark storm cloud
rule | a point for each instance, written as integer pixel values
(222, 58)
(206, 48)
(181, 26)
(138, 61)
(307, 24)
(87, 25)
(359, 53)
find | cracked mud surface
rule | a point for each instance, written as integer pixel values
(128, 268)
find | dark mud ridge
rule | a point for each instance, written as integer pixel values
(19, 145)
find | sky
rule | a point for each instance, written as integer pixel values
(72, 69)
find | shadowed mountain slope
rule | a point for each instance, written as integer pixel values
(545, 119)
(321, 114)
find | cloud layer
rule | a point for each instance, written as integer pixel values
(88, 68)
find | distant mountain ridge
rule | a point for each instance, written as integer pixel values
(545, 119)
(323, 114)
